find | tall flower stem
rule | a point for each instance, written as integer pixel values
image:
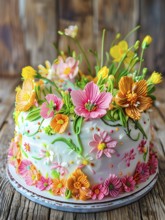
(84, 54)
(141, 59)
(102, 48)
(132, 31)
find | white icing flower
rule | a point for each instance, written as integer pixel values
(85, 161)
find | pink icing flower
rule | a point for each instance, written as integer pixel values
(67, 69)
(32, 177)
(141, 148)
(112, 186)
(44, 183)
(128, 183)
(14, 154)
(52, 104)
(129, 156)
(152, 164)
(98, 192)
(60, 167)
(24, 167)
(90, 102)
(104, 144)
(141, 172)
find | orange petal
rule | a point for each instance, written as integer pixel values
(140, 88)
(133, 112)
(145, 103)
(121, 99)
(125, 84)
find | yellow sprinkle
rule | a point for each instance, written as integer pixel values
(120, 173)
(117, 129)
(121, 143)
(71, 162)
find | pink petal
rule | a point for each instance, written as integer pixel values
(111, 144)
(93, 143)
(78, 98)
(106, 152)
(98, 113)
(92, 91)
(100, 196)
(99, 154)
(104, 99)
(97, 138)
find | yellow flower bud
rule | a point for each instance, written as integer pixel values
(155, 78)
(111, 77)
(103, 72)
(118, 35)
(147, 41)
(28, 72)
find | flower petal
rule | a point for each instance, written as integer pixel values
(133, 112)
(91, 91)
(141, 88)
(125, 84)
(104, 99)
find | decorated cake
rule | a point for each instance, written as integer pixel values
(85, 137)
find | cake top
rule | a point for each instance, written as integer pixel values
(116, 89)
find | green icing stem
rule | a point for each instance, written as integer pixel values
(70, 144)
(30, 135)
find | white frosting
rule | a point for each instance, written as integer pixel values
(60, 152)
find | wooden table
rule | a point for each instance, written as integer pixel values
(15, 206)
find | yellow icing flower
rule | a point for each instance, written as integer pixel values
(155, 78)
(28, 72)
(25, 97)
(103, 72)
(118, 51)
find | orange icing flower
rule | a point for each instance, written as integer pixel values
(133, 97)
(79, 185)
(59, 123)
(59, 186)
(25, 97)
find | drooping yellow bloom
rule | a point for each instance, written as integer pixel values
(103, 72)
(25, 97)
(28, 72)
(155, 78)
(119, 50)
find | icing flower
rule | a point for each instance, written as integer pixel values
(71, 31)
(25, 166)
(152, 164)
(46, 155)
(133, 97)
(112, 186)
(118, 51)
(98, 192)
(47, 71)
(28, 72)
(59, 187)
(85, 161)
(25, 97)
(128, 183)
(67, 69)
(79, 185)
(59, 123)
(90, 102)
(155, 78)
(52, 104)
(44, 183)
(104, 144)
(129, 156)
(142, 148)
(141, 172)
(60, 167)
(32, 177)
(14, 154)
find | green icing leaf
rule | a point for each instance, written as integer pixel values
(24, 153)
(48, 130)
(138, 125)
(36, 158)
(77, 124)
(145, 155)
(55, 174)
(34, 115)
(67, 194)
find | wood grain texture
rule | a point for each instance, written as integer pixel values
(15, 206)
(12, 49)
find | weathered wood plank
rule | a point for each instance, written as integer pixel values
(13, 54)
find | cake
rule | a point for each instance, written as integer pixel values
(85, 138)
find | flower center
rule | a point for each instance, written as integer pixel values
(90, 106)
(85, 162)
(59, 185)
(26, 96)
(132, 98)
(101, 146)
(77, 185)
(45, 184)
(111, 186)
(67, 70)
(47, 154)
(97, 191)
(128, 184)
(60, 122)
